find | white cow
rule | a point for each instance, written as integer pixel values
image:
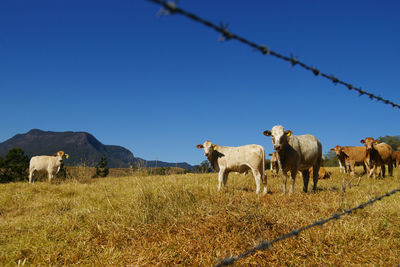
(49, 164)
(296, 153)
(225, 159)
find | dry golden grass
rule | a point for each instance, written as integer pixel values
(183, 220)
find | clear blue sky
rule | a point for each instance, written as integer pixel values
(160, 86)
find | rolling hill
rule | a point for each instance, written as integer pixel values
(82, 147)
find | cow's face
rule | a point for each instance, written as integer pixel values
(208, 148)
(337, 150)
(279, 136)
(274, 157)
(369, 143)
(60, 154)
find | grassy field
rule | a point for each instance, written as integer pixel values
(183, 220)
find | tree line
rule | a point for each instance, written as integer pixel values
(14, 166)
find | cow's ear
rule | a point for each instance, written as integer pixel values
(66, 156)
(288, 132)
(215, 147)
(362, 141)
(267, 133)
(332, 149)
(200, 146)
(55, 155)
(376, 142)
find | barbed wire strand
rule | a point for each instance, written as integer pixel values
(169, 7)
(268, 244)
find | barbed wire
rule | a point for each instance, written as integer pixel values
(169, 7)
(268, 244)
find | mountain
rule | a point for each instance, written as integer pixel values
(82, 147)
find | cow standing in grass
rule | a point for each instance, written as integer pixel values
(49, 164)
(351, 156)
(274, 163)
(296, 153)
(378, 154)
(225, 159)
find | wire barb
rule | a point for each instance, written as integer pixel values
(172, 8)
(225, 34)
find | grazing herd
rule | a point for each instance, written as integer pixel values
(293, 153)
(298, 154)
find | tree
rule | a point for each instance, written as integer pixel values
(393, 141)
(101, 167)
(331, 159)
(205, 167)
(14, 166)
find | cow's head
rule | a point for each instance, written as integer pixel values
(369, 143)
(279, 136)
(60, 154)
(208, 148)
(337, 150)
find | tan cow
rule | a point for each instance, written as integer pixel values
(49, 164)
(274, 163)
(296, 153)
(351, 156)
(225, 159)
(322, 174)
(378, 154)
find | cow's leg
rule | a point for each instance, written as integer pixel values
(293, 174)
(372, 171)
(31, 171)
(306, 179)
(284, 181)
(257, 178)
(383, 168)
(390, 169)
(263, 177)
(341, 167)
(351, 167)
(50, 175)
(225, 178)
(365, 169)
(221, 175)
(315, 177)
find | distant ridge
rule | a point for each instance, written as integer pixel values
(82, 147)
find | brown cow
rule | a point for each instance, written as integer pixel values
(352, 156)
(378, 154)
(396, 157)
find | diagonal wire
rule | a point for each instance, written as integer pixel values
(170, 7)
(268, 244)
